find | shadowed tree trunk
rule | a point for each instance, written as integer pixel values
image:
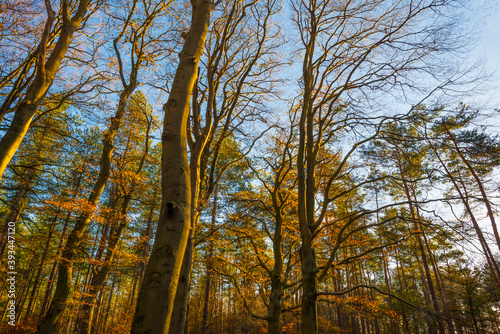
(15, 208)
(34, 290)
(462, 193)
(486, 201)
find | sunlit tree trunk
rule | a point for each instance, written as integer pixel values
(157, 295)
(46, 70)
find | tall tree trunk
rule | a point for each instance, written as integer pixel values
(110, 299)
(157, 295)
(144, 256)
(306, 212)
(145, 249)
(388, 287)
(208, 287)
(306, 188)
(21, 297)
(208, 281)
(479, 183)
(418, 225)
(276, 294)
(439, 285)
(425, 263)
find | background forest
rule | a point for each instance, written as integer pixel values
(247, 166)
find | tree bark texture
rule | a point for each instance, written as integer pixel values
(157, 295)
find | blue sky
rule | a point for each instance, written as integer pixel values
(491, 37)
(489, 46)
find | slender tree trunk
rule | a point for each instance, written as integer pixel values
(275, 298)
(208, 286)
(427, 273)
(145, 249)
(402, 282)
(439, 285)
(53, 272)
(34, 290)
(208, 283)
(388, 287)
(418, 225)
(110, 299)
(97, 313)
(486, 201)
(99, 278)
(77, 235)
(144, 257)
(339, 309)
(437, 276)
(490, 259)
(22, 297)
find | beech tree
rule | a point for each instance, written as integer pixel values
(156, 297)
(225, 85)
